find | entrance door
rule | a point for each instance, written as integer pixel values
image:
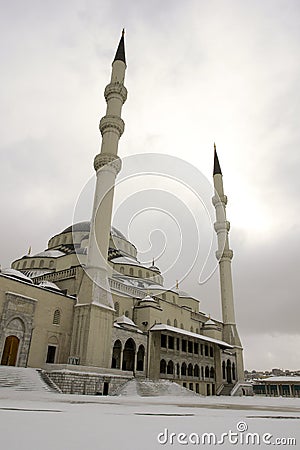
(10, 352)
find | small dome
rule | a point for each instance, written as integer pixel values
(148, 298)
(16, 274)
(123, 320)
(49, 285)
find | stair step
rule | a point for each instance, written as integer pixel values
(22, 379)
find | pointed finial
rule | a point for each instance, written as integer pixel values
(217, 168)
(29, 251)
(177, 284)
(120, 54)
(153, 261)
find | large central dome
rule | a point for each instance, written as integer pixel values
(86, 226)
(75, 238)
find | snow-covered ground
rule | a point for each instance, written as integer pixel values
(50, 421)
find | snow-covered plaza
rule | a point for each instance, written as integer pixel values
(51, 421)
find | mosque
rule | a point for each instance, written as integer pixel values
(92, 317)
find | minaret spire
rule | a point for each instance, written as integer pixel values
(224, 255)
(120, 53)
(217, 167)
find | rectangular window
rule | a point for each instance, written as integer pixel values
(211, 352)
(190, 347)
(51, 354)
(163, 341)
(201, 349)
(178, 343)
(171, 342)
(183, 345)
(206, 350)
(196, 348)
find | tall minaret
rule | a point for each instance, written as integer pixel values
(93, 319)
(224, 255)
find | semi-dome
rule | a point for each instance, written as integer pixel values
(16, 274)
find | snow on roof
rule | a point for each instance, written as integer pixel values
(49, 284)
(163, 327)
(15, 274)
(126, 260)
(282, 379)
(123, 320)
(148, 298)
(49, 254)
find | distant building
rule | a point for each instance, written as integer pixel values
(281, 386)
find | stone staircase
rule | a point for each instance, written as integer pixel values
(25, 379)
(227, 388)
(148, 388)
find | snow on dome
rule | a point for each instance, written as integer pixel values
(49, 284)
(123, 320)
(86, 226)
(148, 298)
(16, 274)
(49, 254)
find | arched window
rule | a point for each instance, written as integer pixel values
(174, 300)
(206, 350)
(175, 323)
(181, 326)
(233, 371)
(224, 370)
(211, 352)
(202, 372)
(163, 366)
(24, 264)
(147, 274)
(183, 368)
(41, 265)
(140, 275)
(122, 269)
(131, 271)
(51, 264)
(129, 355)
(197, 330)
(126, 313)
(206, 372)
(164, 296)
(170, 368)
(117, 308)
(56, 317)
(212, 372)
(192, 329)
(178, 369)
(168, 322)
(190, 370)
(116, 355)
(140, 358)
(32, 263)
(196, 371)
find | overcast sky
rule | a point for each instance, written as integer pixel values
(198, 72)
